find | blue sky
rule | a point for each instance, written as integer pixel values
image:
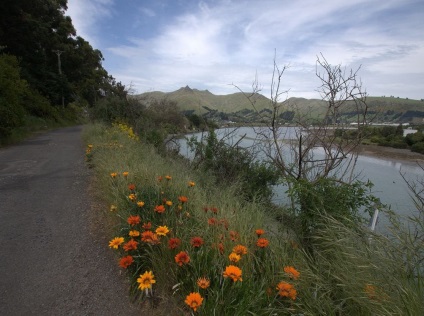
(162, 45)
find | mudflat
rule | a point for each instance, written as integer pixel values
(54, 257)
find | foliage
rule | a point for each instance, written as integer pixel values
(234, 164)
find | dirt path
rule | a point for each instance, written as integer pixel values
(54, 260)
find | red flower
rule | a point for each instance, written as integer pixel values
(234, 235)
(196, 242)
(259, 232)
(131, 186)
(262, 242)
(182, 258)
(125, 262)
(183, 199)
(133, 220)
(159, 208)
(130, 245)
(174, 243)
(149, 237)
(147, 226)
(212, 221)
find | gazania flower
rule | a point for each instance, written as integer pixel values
(194, 300)
(203, 283)
(132, 197)
(240, 250)
(221, 248)
(286, 290)
(159, 209)
(262, 242)
(160, 178)
(234, 235)
(168, 178)
(234, 257)
(125, 262)
(182, 258)
(134, 233)
(147, 226)
(206, 209)
(191, 184)
(90, 146)
(162, 231)
(224, 223)
(130, 245)
(259, 232)
(133, 220)
(212, 221)
(146, 280)
(113, 208)
(196, 242)
(214, 210)
(140, 203)
(113, 174)
(169, 203)
(292, 272)
(233, 272)
(183, 199)
(174, 243)
(131, 186)
(125, 173)
(116, 242)
(149, 237)
(370, 291)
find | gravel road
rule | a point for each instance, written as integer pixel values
(54, 256)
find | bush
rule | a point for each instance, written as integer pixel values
(418, 147)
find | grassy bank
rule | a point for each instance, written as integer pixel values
(191, 246)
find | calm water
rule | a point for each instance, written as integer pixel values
(389, 185)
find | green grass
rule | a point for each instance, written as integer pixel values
(332, 282)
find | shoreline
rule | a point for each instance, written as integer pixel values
(390, 153)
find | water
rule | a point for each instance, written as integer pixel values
(385, 174)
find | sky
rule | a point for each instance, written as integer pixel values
(219, 45)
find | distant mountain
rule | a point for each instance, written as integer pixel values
(236, 106)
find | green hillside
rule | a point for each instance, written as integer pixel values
(237, 107)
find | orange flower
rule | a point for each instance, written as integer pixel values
(146, 280)
(134, 233)
(240, 250)
(169, 203)
(183, 199)
(212, 221)
(259, 232)
(159, 208)
(191, 184)
(204, 283)
(262, 242)
(196, 242)
(113, 174)
(286, 290)
(149, 237)
(233, 272)
(194, 300)
(370, 291)
(140, 203)
(125, 173)
(234, 235)
(131, 186)
(168, 178)
(132, 197)
(147, 226)
(234, 257)
(292, 272)
(116, 242)
(125, 262)
(182, 258)
(174, 243)
(162, 231)
(133, 220)
(130, 245)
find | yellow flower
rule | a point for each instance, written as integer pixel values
(116, 242)
(140, 203)
(90, 146)
(113, 174)
(132, 197)
(191, 184)
(162, 231)
(146, 280)
(233, 272)
(169, 203)
(234, 257)
(204, 283)
(194, 300)
(113, 208)
(125, 173)
(168, 177)
(134, 233)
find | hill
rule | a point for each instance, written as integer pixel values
(236, 106)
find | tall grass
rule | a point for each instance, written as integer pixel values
(350, 273)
